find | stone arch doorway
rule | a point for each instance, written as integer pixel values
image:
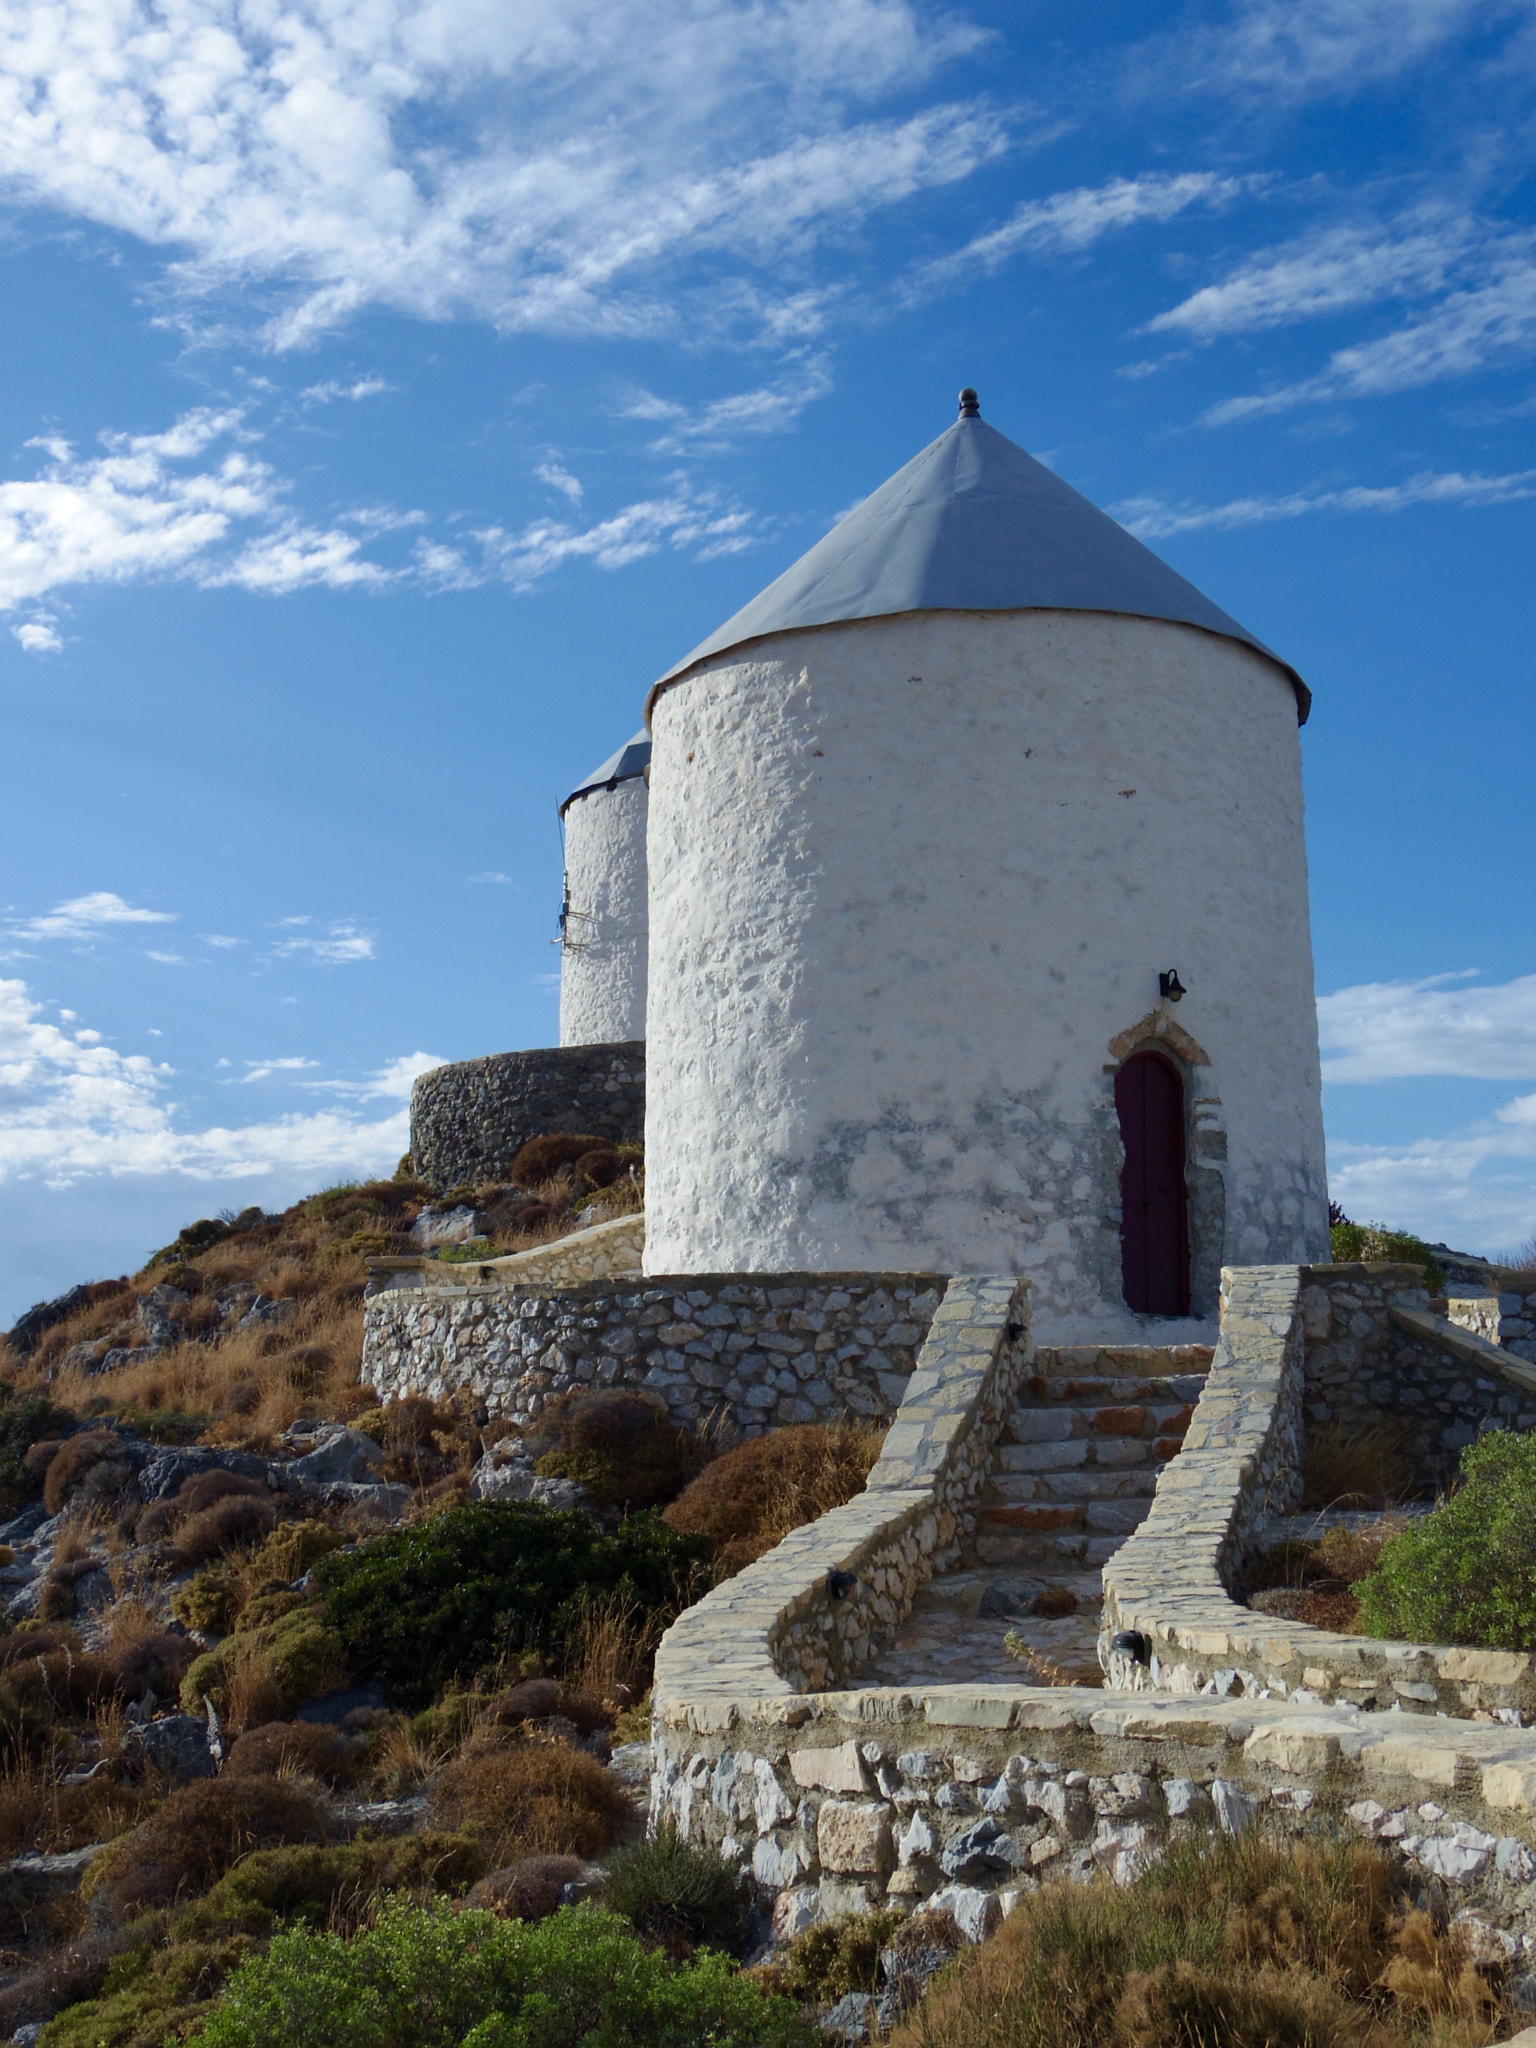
(1154, 1201)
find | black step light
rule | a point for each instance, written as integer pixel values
(1169, 986)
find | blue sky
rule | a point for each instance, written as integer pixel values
(389, 392)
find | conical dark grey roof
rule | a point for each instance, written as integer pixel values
(632, 759)
(973, 524)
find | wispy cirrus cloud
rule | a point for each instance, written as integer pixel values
(1311, 49)
(1155, 519)
(333, 389)
(1071, 221)
(685, 518)
(773, 408)
(540, 166)
(338, 944)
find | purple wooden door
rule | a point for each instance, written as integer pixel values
(1154, 1225)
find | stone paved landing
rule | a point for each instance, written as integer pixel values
(1073, 1474)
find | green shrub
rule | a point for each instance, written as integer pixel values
(838, 1956)
(442, 1599)
(682, 1896)
(150, 1995)
(166, 1425)
(1466, 1572)
(468, 1253)
(427, 1977)
(326, 1887)
(25, 1420)
(1375, 1243)
(298, 1657)
(209, 1601)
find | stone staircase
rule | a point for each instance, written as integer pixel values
(1073, 1474)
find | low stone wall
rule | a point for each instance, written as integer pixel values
(469, 1120)
(1169, 1621)
(1366, 1362)
(605, 1251)
(965, 1796)
(805, 1347)
(1517, 1313)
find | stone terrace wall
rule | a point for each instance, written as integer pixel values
(1517, 1313)
(804, 1347)
(1169, 1622)
(469, 1120)
(1364, 1362)
(966, 1796)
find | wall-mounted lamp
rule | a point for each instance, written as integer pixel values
(1169, 986)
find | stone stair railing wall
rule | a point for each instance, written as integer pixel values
(470, 1119)
(764, 1351)
(837, 1798)
(1297, 1344)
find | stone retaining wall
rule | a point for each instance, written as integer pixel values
(1169, 1621)
(1366, 1362)
(766, 1352)
(1517, 1313)
(469, 1120)
(965, 1796)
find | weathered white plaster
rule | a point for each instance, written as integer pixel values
(908, 878)
(602, 961)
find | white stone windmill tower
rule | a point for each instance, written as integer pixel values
(603, 918)
(933, 820)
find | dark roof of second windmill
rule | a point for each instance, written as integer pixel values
(974, 523)
(632, 759)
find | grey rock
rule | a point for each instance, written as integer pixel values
(167, 1471)
(434, 1227)
(263, 1314)
(386, 1499)
(346, 1455)
(43, 1877)
(980, 1850)
(853, 2018)
(177, 1744)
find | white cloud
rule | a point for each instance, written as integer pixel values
(259, 1070)
(166, 959)
(1475, 1190)
(330, 391)
(1322, 48)
(85, 917)
(340, 944)
(685, 519)
(71, 1110)
(392, 1083)
(138, 513)
(38, 636)
(1069, 221)
(1335, 267)
(1390, 1030)
(1482, 326)
(769, 409)
(541, 165)
(1153, 519)
(493, 875)
(222, 940)
(560, 479)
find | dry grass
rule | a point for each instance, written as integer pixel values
(293, 1749)
(1311, 1582)
(524, 1797)
(1246, 1944)
(1359, 1465)
(750, 1498)
(611, 1651)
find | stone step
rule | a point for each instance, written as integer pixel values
(1053, 1550)
(1127, 1482)
(1101, 1517)
(1057, 1425)
(1084, 1390)
(1146, 1360)
(1094, 1453)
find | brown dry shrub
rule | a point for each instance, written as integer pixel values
(621, 1446)
(92, 1462)
(542, 1158)
(290, 1749)
(527, 1890)
(1055, 1603)
(204, 1488)
(1358, 1465)
(599, 1168)
(229, 1524)
(749, 1499)
(22, 1644)
(524, 1798)
(201, 1831)
(39, 1815)
(156, 1662)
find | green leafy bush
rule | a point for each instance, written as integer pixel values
(1466, 1572)
(294, 1658)
(442, 1599)
(427, 1977)
(150, 1995)
(677, 1894)
(1375, 1243)
(326, 1886)
(838, 1956)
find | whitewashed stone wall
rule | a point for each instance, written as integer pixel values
(908, 879)
(802, 1348)
(603, 956)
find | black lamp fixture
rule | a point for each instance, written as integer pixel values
(1169, 986)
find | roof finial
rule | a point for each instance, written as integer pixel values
(970, 404)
